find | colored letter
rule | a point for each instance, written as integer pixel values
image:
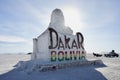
(51, 38)
(82, 39)
(53, 55)
(66, 56)
(60, 44)
(60, 56)
(67, 42)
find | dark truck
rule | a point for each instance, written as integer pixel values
(111, 54)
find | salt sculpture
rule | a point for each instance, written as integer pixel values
(57, 43)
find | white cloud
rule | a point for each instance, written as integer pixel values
(11, 39)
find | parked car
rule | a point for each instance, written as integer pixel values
(97, 55)
(29, 53)
(111, 54)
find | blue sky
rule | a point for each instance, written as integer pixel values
(23, 20)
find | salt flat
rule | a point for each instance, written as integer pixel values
(7, 61)
(112, 69)
(93, 72)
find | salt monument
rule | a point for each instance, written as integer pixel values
(57, 43)
(56, 48)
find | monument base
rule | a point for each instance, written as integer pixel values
(31, 66)
(51, 67)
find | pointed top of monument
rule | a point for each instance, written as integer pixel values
(57, 18)
(57, 22)
(57, 10)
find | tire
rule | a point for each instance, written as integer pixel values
(117, 55)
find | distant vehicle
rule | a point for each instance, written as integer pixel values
(111, 54)
(29, 53)
(97, 55)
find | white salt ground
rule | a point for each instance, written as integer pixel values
(110, 72)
